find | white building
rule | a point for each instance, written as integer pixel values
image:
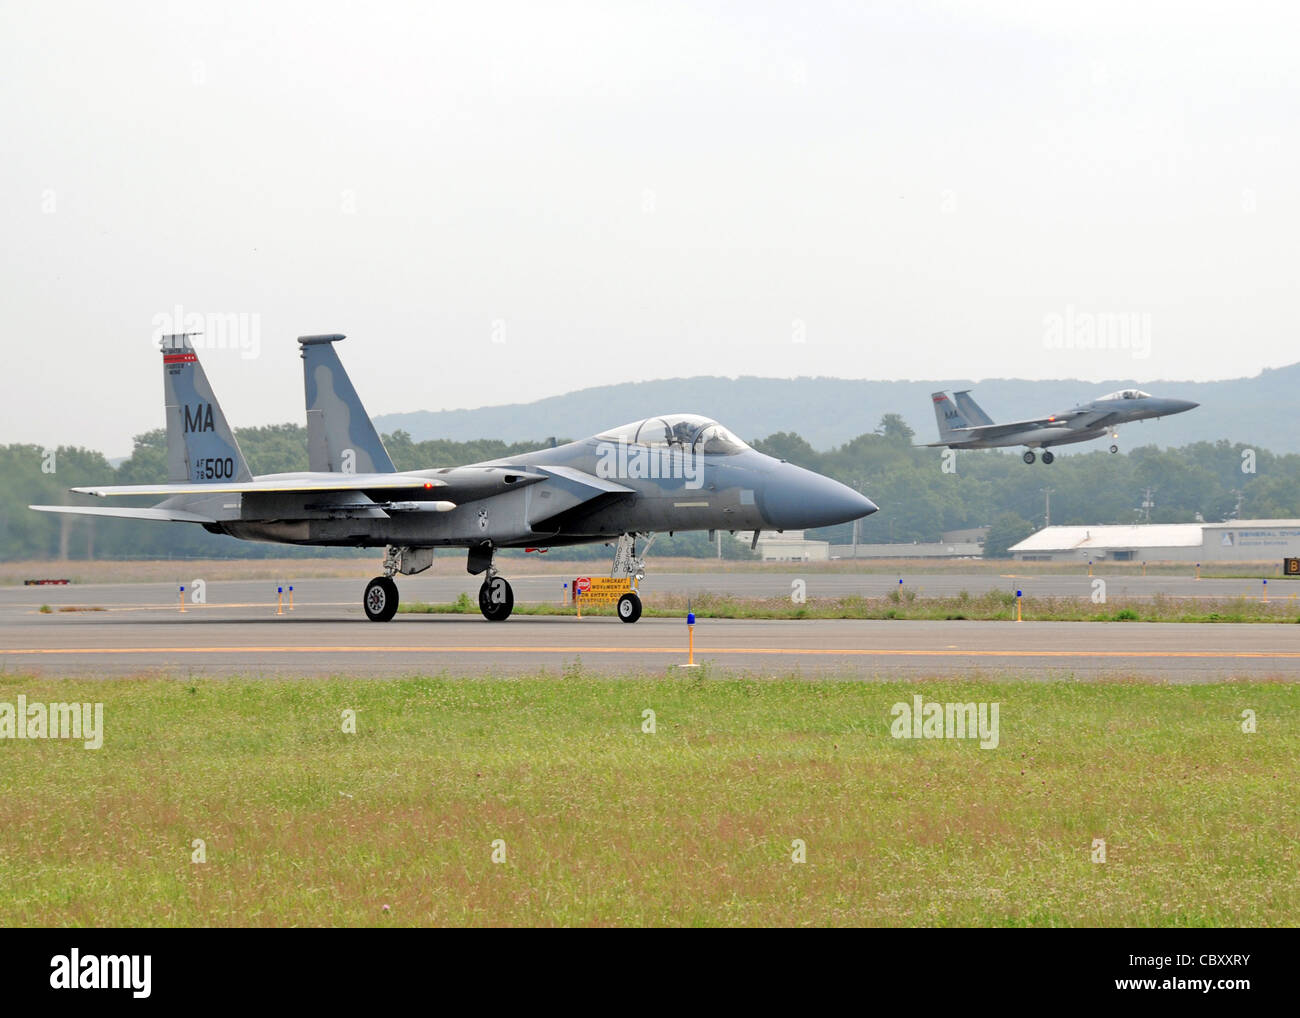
(968, 543)
(1234, 541)
(790, 546)
(963, 549)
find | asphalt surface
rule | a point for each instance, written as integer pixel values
(538, 587)
(113, 630)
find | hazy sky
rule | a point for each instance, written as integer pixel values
(498, 202)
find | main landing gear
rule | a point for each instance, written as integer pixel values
(380, 599)
(1028, 457)
(495, 598)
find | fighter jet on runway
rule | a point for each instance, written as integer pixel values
(675, 472)
(966, 426)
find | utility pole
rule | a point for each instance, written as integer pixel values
(858, 484)
(1236, 512)
(1047, 506)
(1148, 503)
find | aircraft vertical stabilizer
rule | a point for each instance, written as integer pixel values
(201, 448)
(340, 435)
(970, 409)
(948, 416)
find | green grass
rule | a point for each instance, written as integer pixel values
(692, 825)
(995, 605)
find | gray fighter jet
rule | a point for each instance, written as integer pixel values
(965, 426)
(669, 473)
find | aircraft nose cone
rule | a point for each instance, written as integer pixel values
(798, 499)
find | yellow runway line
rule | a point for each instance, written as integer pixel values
(190, 606)
(741, 651)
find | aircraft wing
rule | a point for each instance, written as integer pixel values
(988, 431)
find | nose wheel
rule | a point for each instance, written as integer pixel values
(380, 599)
(629, 608)
(1114, 448)
(495, 599)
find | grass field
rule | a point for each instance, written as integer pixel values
(604, 824)
(990, 606)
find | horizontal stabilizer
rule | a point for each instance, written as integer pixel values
(122, 512)
(283, 484)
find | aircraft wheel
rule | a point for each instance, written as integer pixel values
(1028, 457)
(495, 599)
(1114, 448)
(629, 608)
(1048, 457)
(380, 600)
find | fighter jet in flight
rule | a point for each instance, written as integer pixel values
(965, 426)
(669, 473)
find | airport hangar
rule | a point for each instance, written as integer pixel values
(1233, 541)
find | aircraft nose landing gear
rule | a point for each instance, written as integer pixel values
(629, 608)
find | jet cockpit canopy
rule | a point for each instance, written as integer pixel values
(688, 432)
(1127, 394)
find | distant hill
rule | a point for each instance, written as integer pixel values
(830, 411)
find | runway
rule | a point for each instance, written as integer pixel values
(542, 586)
(137, 628)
